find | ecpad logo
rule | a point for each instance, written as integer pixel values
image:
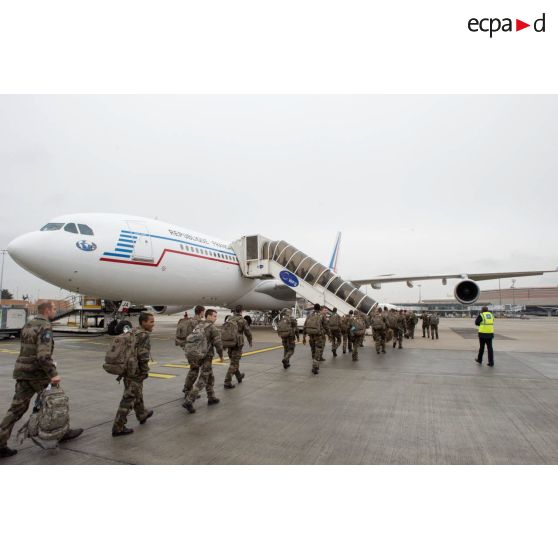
(288, 278)
(493, 25)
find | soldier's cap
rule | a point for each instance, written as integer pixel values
(287, 312)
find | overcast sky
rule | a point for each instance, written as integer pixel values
(416, 184)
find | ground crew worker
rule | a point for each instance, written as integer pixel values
(434, 321)
(185, 330)
(379, 329)
(315, 327)
(206, 379)
(485, 321)
(425, 324)
(345, 332)
(334, 324)
(235, 353)
(34, 370)
(357, 326)
(287, 328)
(132, 399)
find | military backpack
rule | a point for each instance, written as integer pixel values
(196, 347)
(334, 322)
(285, 328)
(434, 320)
(230, 336)
(378, 322)
(50, 419)
(358, 326)
(121, 359)
(313, 324)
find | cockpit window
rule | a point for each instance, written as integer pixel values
(71, 227)
(84, 229)
(52, 227)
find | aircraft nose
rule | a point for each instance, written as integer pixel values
(24, 249)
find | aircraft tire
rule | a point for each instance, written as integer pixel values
(111, 329)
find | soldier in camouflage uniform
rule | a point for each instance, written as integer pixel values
(34, 370)
(289, 342)
(185, 327)
(379, 330)
(316, 328)
(206, 379)
(334, 324)
(132, 399)
(357, 325)
(180, 338)
(425, 324)
(434, 321)
(235, 353)
(399, 326)
(347, 342)
(411, 323)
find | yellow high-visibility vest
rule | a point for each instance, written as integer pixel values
(487, 324)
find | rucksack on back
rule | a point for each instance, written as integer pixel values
(313, 324)
(196, 343)
(434, 320)
(334, 322)
(358, 326)
(48, 425)
(229, 334)
(285, 328)
(378, 322)
(121, 358)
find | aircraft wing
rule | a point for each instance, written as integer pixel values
(376, 281)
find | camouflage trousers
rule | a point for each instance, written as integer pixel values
(206, 380)
(434, 330)
(357, 343)
(24, 392)
(398, 337)
(425, 330)
(288, 347)
(379, 336)
(411, 332)
(347, 341)
(335, 340)
(317, 348)
(132, 400)
(192, 375)
(235, 354)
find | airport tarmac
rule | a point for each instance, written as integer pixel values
(429, 403)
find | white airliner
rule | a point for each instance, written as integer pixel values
(150, 262)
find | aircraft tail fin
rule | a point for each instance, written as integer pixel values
(335, 254)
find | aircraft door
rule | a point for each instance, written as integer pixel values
(143, 249)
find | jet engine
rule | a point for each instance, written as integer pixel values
(466, 292)
(168, 310)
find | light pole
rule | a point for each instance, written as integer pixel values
(4, 252)
(420, 297)
(513, 293)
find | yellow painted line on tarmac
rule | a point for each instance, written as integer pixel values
(218, 362)
(161, 376)
(9, 351)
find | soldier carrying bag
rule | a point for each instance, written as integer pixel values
(334, 322)
(50, 419)
(121, 358)
(196, 347)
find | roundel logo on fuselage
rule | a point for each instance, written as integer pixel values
(86, 246)
(288, 278)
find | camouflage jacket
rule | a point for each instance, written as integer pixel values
(243, 328)
(425, 320)
(35, 356)
(143, 350)
(324, 325)
(213, 336)
(184, 328)
(345, 324)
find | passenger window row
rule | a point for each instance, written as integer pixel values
(206, 252)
